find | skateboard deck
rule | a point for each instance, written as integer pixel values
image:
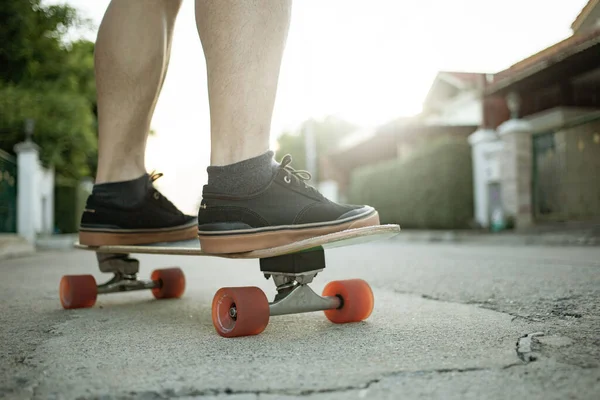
(240, 311)
(192, 247)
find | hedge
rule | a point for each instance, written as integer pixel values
(69, 202)
(430, 189)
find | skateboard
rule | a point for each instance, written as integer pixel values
(239, 311)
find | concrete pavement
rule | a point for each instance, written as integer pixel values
(450, 321)
(12, 245)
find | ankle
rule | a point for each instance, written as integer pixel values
(228, 155)
(123, 173)
(243, 177)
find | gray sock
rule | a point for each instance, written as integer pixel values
(244, 177)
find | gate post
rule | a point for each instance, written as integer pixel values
(516, 164)
(483, 142)
(27, 189)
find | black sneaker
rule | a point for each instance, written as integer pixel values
(284, 211)
(153, 220)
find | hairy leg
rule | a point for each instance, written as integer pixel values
(131, 60)
(252, 202)
(243, 44)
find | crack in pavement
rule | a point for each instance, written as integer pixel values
(479, 304)
(555, 312)
(525, 349)
(524, 346)
(191, 392)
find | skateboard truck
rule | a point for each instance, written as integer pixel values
(291, 274)
(81, 291)
(125, 270)
(117, 264)
(300, 298)
(246, 311)
(126, 283)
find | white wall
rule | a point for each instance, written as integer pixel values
(45, 203)
(464, 109)
(485, 150)
(35, 193)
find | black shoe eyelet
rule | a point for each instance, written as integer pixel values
(156, 195)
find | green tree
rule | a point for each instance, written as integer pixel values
(328, 134)
(46, 78)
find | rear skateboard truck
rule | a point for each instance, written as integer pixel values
(236, 311)
(81, 291)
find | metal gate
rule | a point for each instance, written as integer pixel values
(8, 193)
(546, 178)
(566, 171)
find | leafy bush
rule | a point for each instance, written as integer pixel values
(431, 189)
(64, 126)
(49, 78)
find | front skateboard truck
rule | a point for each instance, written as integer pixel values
(246, 311)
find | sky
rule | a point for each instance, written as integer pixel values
(364, 61)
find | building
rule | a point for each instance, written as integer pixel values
(454, 98)
(536, 155)
(452, 108)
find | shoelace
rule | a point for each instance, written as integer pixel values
(159, 196)
(301, 175)
(155, 175)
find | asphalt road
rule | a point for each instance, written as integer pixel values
(450, 321)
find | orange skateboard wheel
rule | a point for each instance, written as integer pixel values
(77, 291)
(242, 311)
(357, 300)
(172, 283)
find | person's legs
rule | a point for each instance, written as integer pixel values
(243, 44)
(251, 201)
(131, 58)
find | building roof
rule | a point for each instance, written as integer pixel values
(585, 12)
(448, 84)
(469, 77)
(545, 58)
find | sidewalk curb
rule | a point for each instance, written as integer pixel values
(13, 246)
(56, 242)
(506, 238)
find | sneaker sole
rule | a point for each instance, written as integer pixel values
(135, 237)
(240, 243)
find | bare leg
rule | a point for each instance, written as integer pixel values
(132, 56)
(243, 43)
(251, 202)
